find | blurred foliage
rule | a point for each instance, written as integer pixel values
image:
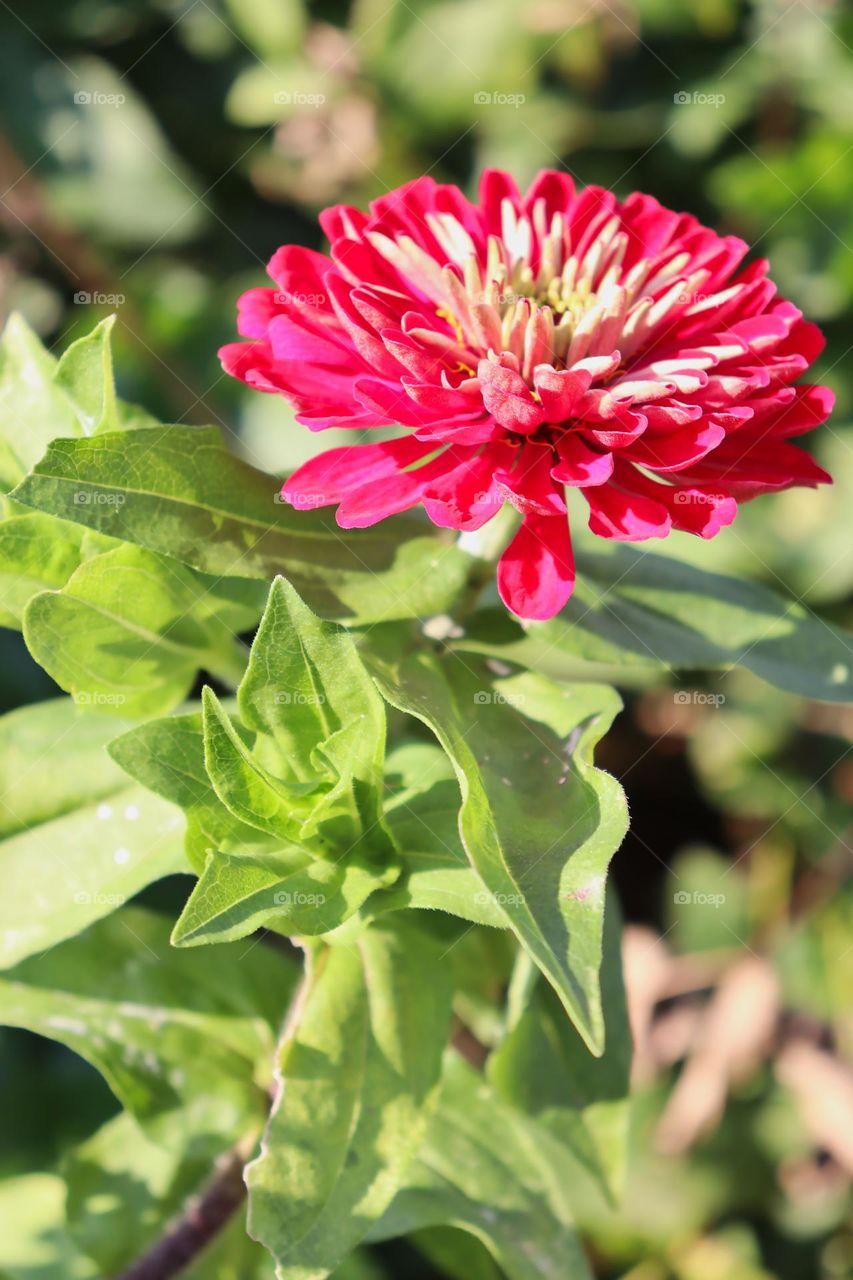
(154, 153)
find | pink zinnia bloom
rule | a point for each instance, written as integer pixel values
(530, 342)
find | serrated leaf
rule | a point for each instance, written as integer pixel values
(125, 634)
(538, 821)
(167, 756)
(359, 1070)
(181, 1038)
(175, 490)
(490, 1170)
(290, 890)
(79, 838)
(544, 1068)
(637, 610)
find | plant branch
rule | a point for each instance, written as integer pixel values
(203, 1218)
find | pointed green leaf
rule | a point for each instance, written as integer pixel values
(125, 634)
(422, 812)
(495, 1172)
(252, 794)
(167, 756)
(177, 491)
(290, 890)
(307, 688)
(544, 1068)
(538, 821)
(85, 374)
(32, 410)
(358, 1069)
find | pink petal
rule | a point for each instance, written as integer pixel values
(536, 573)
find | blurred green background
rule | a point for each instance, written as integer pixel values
(153, 156)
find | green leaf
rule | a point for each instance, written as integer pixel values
(78, 838)
(422, 813)
(32, 410)
(538, 821)
(290, 890)
(249, 792)
(358, 1069)
(307, 689)
(85, 374)
(122, 1190)
(637, 610)
(455, 1253)
(496, 1173)
(167, 756)
(544, 1068)
(38, 553)
(125, 634)
(181, 1038)
(175, 490)
(34, 1242)
(42, 399)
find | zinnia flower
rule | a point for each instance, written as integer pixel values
(527, 343)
